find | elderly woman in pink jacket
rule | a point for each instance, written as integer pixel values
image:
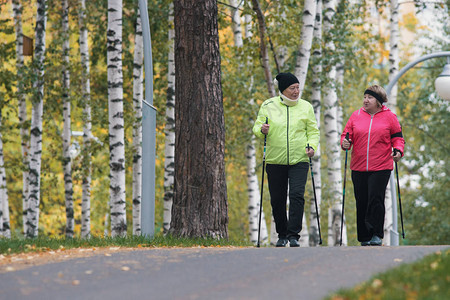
(376, 139)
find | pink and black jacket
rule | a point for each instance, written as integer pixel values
(373, 137)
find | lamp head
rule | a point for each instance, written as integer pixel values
(442, 83)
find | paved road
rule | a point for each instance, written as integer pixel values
(208, 273)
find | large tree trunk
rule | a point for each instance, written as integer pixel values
(20, 94)
(66, 159)
(332, 141)
(200, 202)
(137, 126)
(87, 125)
(116, 123)
(34, 175)
(314, 237)
(306, 37)
(169, 130)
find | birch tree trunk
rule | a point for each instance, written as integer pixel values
(314, 237)
(263, 48)
(34, 179)
(200, 203)
(301, 70)
(169, 130)
(20, 94)
(394, 59)
(340, 89)
(5, 229)
(332, 141)
(67, 160)
(116, 122)
(137, 126)
(250, 152)
(306, 37)
(87, 125)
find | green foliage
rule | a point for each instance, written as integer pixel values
(425, 279)
(360, 47)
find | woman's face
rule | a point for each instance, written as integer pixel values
(370, 103)
(292, 91)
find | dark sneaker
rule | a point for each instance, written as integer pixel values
(375, 241)
(365, 243)
(294, 243)
(282, 242)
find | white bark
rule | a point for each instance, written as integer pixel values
(332, 141)
(340, 84)
(87, 125)
(24, 132)
(5, 230)
(306, 37)
(236, 22)
(169, 130)
(263, 48)
(254, 196)
(116, 122)
(316, 103)
(67, 160)
(388, 220)
(34, 179)
(394, 59)
(137, 126)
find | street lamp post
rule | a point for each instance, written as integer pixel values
(442, 85)
(148, 132)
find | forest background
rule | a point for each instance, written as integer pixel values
(362, 44)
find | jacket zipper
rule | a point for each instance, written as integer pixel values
(368, 139)
(368, 143)
(287, 134)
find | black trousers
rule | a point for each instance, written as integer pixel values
(370, 190)
(280, 177)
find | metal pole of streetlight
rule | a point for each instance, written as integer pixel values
(394, 231)
(148, 132)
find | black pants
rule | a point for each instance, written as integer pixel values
(370, 190)
(279, 177)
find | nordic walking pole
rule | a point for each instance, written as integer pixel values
(315, 198)
(343, 192)
(262, 185)
(398, 190)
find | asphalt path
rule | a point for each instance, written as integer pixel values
(208, 273)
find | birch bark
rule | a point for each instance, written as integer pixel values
(87, 125)
(254, 195)
(314, 238)
(5, 230)
(67, 160)
(137, 126)
(263, 48)
(306, 37)
(169, 130)
(116, 122)
(394, 60)
(332, 142)
(34, 179)
(24, 131)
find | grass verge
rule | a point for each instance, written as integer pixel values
(22, 245)
(428, 278)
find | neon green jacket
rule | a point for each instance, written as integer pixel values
(291, 129)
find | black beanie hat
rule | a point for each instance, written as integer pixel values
(285, 80)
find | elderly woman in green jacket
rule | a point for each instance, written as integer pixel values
(291, 128)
